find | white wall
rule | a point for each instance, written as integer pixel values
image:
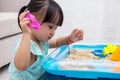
(12, 5)
(100, 19)
(111, 21)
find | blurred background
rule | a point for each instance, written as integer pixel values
(100, 19)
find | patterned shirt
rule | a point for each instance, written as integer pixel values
(33, 72)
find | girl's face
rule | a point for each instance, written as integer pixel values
(45, 33)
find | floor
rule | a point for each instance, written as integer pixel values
(4, 73)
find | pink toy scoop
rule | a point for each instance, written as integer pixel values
(34, 22)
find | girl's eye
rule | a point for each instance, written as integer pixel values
(50, 27)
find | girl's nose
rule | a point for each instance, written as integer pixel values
(52, 32)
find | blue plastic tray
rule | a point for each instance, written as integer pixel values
(51, 64)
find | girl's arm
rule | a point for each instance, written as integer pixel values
(23, 56)
(76, 35)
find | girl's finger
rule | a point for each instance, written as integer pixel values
(22, 15)
(80, 32)
(25, 19)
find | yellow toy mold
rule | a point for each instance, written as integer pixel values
(109, 49)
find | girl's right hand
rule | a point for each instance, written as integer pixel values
(25, 23)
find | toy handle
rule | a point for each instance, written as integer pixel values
(34, 22)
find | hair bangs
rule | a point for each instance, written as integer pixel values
(54, 14)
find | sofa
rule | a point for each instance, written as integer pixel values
(9, 32)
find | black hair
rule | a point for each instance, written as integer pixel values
(52, 11)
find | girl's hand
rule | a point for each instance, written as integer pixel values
(25, 23)
(76, 35)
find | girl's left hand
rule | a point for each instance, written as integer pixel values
(76, 35)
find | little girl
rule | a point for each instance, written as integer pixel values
(33, 46)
